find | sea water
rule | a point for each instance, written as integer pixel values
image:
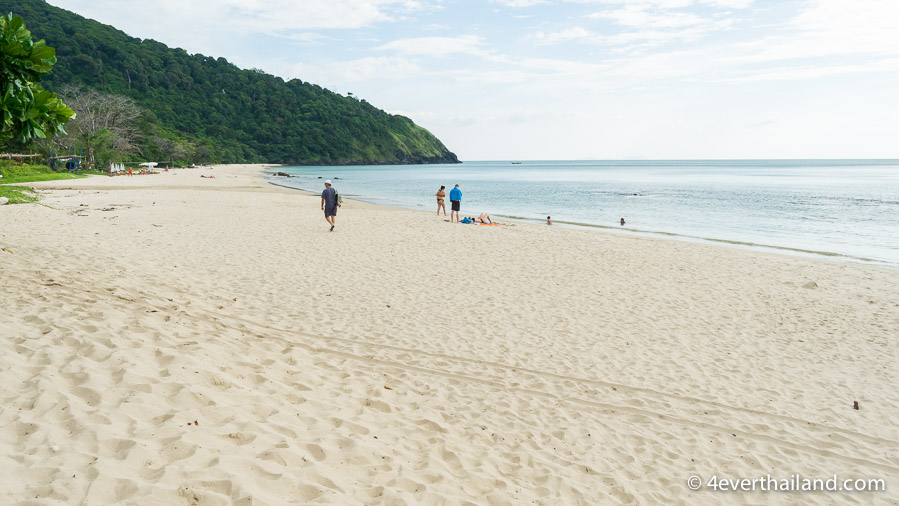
(843, 209)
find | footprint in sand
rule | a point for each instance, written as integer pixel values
(178, 450)
(116, 448)
(316, 451)
(272, 456)
(76, 378)
(89, 396)
(407, 485)
(309, 492)
(240, 438)
(107, 490)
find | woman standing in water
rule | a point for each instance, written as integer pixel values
(441, 194)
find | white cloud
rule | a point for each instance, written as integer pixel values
(568, 34)
(656, 4)
(672, 4)
(633, 39)
(637, 16)
(834, 27)
(437, 46)
(253, 16)
(520, 3)
(559, 66)
(645, 23)
(337, 75)
(314, 14)
(732, 4)
(800, 72)
(305, 37)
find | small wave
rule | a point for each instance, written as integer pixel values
(752, 245)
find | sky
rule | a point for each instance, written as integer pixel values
(573, 79)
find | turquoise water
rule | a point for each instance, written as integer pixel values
(842, 208)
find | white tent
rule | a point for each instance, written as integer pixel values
(149, 164)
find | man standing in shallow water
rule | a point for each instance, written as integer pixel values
(456, 201)
(329, 204)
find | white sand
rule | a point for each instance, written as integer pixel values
(404, 359)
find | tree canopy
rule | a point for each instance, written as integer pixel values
(225, 113)
(28, 110)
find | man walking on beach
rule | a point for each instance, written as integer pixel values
(456, 201)
(329, 204)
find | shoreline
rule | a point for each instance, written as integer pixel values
(730, 243)
(170, 339)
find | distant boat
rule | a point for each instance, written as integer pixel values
(516, 163)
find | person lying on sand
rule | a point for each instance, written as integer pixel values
(483, 219)
(207, 177)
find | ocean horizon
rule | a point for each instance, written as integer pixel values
(841, 209)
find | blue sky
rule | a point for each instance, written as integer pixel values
(574, 79)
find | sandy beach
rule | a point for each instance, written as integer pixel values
(171, 339)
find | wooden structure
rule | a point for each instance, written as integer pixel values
(72, 162)
(10, 156)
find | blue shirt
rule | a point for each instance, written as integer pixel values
(328, 195)
(455, 194)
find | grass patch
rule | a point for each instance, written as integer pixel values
(28, 173)
(18, 194)
(33, 178)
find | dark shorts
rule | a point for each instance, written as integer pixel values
(456, 204)
(330, 211)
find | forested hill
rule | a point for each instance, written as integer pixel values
(233, 115)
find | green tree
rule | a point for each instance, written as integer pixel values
(28, 110)
(185, 150)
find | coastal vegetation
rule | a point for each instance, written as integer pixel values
(106, 127)
(27, 110)
(12, 172)
(18, 194)
(196, 108)
(28, 173)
